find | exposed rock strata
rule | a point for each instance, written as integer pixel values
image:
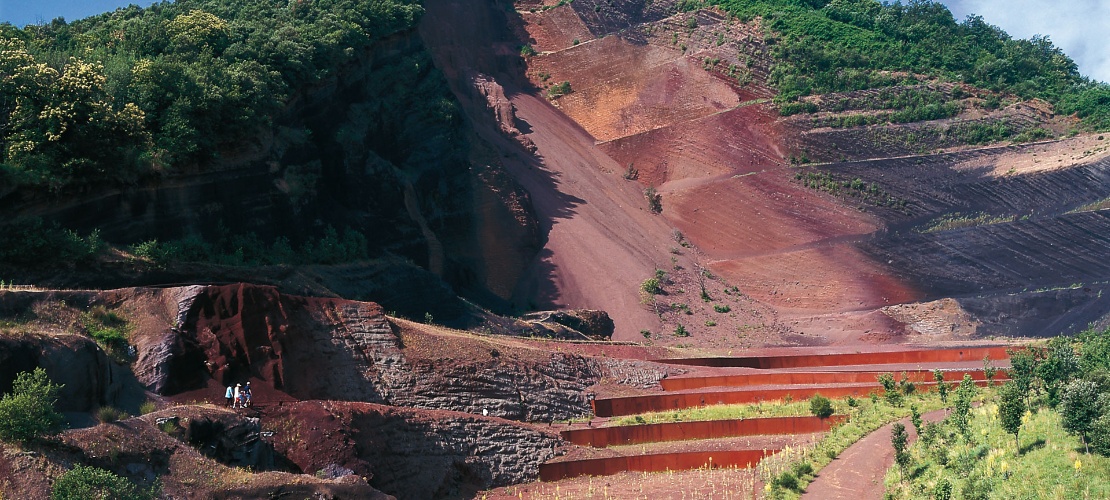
(318, 348)
(408, 454)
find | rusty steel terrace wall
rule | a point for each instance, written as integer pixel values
(633, 405)
(653, 463)
(859, 358)
(811, 378)
(680, 431)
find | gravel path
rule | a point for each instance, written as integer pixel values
(857, 474)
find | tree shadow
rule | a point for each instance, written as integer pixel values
(1035, 445)
(916, 471)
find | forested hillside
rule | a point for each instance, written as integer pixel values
(135, 91)
(822, 46)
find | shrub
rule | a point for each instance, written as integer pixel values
(891, 391)
(83, 483)
(1099, 435)
(108, 414)
(943, 490)
(680, 331)
(820, 406)
(722, 308)
(28, 411)
(1079, 407)
(109, 330)
(147, 407)
(651, 286)
(654, 199)
(786, 480)
(559, 90)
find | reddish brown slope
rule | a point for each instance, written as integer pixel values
(601, 240)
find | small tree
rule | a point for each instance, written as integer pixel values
(898, 439)
(915, 418)
(1079, 407)
(1059, 365)
(820, 406)
(28, 412)
(942, 386)
(1011, 407)
(891, 392)
(905, 385)
(1023, 366)
(989, 370)
(961, 414)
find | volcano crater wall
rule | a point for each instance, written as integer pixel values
(320, 348)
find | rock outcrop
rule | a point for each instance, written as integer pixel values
(321, 348)
(410, 454)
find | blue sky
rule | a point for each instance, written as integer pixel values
(23, 12)
(1077, 26)
(1074, 25)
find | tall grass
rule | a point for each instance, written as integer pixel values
(1045, 468)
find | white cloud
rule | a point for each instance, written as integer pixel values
(1079, 27)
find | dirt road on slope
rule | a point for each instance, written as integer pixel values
(857, 474)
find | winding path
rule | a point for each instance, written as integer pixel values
(857, 474)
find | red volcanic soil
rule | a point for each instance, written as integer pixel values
(720, 163)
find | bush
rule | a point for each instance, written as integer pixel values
(36, 244)
(559, 90)
(651, 286)
(1099, 435)
(654, 199)
(786, 480)
(28, 412)
(147, 407)
(680, 331)
(722, 308)
(108, 414)
(1079, 407)
(83, 483)
(820, 406)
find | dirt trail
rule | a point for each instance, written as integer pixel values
(857, 474)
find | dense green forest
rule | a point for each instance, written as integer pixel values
(839, 45)
(135, 91)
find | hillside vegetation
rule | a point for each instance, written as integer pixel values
(123, 94)
(822, 46)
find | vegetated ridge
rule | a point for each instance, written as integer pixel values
(713, 176)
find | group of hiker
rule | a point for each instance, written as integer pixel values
(238, 396)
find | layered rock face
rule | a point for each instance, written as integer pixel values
(319, 348)
(408, 454)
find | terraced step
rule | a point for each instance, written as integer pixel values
(633, 405)
(680, 431)
(859, 358)
(811, 378)
(656, 462)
